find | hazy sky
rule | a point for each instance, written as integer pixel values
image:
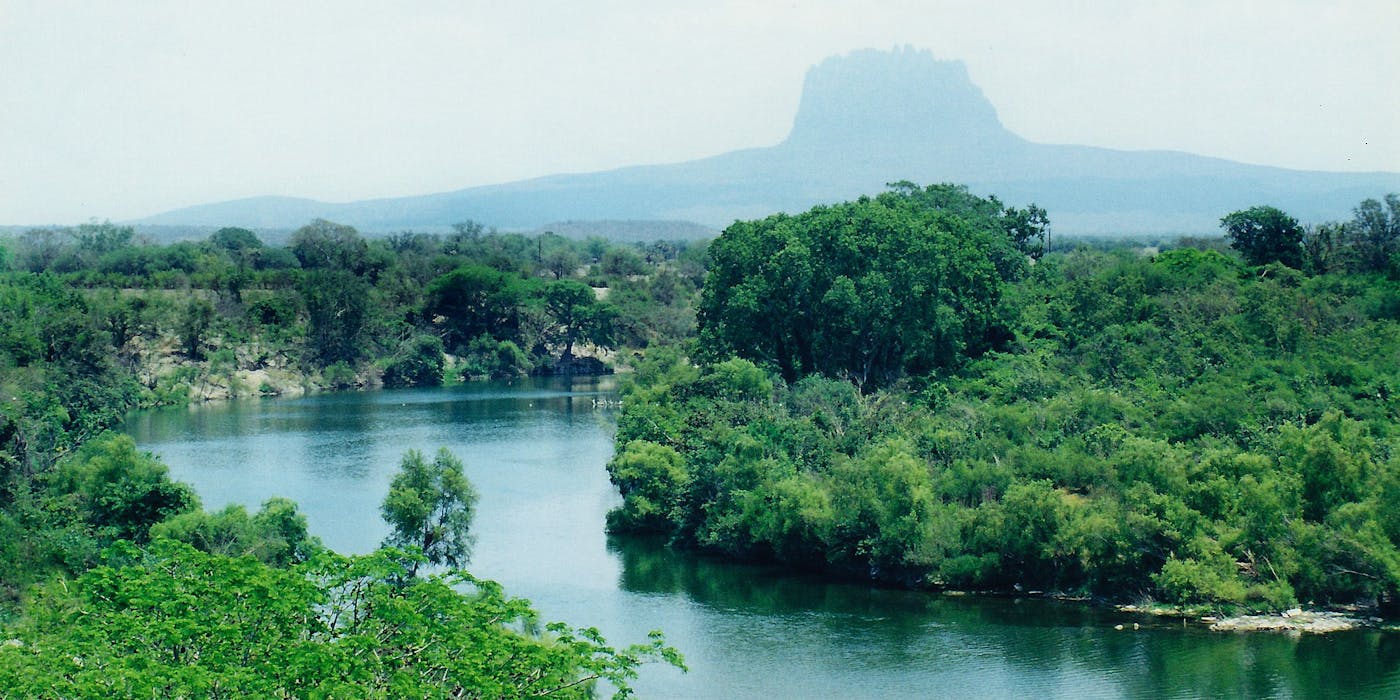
(124, 109)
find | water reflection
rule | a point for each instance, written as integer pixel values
(1046, 647)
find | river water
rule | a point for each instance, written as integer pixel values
(536, 451)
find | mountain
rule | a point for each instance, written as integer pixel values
(865, 119)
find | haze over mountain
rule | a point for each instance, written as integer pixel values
(865, 119)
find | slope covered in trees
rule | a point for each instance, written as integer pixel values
(1177, 426)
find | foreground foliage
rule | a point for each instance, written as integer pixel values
(171, 621)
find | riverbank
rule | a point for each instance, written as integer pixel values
(287, 381)
(747, 628)
(254, 370)
(1293, 621)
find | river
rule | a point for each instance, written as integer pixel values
(536, 451)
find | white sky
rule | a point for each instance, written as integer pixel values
(124, 109)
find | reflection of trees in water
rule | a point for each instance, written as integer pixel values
(1046, 639)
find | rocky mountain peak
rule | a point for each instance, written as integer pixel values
(903, 95)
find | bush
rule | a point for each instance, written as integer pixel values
(418, 362)
(119, 491)
(488, 357)
(339, 375)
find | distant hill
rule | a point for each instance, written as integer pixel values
(865, 119)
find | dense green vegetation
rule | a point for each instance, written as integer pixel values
(909, 387)
(172, 621)
(113, 578)
(334, 308)
(96, 323)
(889, 391)
(902, 284)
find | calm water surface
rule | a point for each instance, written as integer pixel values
(536, 449)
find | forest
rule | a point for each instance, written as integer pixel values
(917, 388)
(907, 388)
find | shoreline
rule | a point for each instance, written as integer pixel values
(1295, 621)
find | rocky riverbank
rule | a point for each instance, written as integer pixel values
(241, 371)
(1294, 621)
(255, 369)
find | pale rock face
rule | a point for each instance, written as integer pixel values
(904, 96)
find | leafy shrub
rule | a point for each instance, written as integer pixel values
(418, 362)
(487, 357)
(339, 375)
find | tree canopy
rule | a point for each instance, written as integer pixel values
(1265, 234)
(430, 507)
(904, 283)
(176, 622)
(1171, 426)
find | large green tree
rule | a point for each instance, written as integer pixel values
(338, 310)
(234, 239)
(906, 282)
(1265, 234)
(117, 490)
(326, 244)
(471, 301)
(1375, 232)
(578, 315)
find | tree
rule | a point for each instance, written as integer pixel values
(173, 621)
(430, 506)
(39, 249)
(622, 262)
(579, 314)
(119, 491)
(326, 244)
(903, 283)
(195, 320)
(99, 239)
(468, 230)
(651, 478)
(276, 535)
(1029, 229)
(1323, 248)
(561, 260)
(1375, 231)
(418, 362)
(234, 239)
(338, 309)
(1265, 234)
(471, 301)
